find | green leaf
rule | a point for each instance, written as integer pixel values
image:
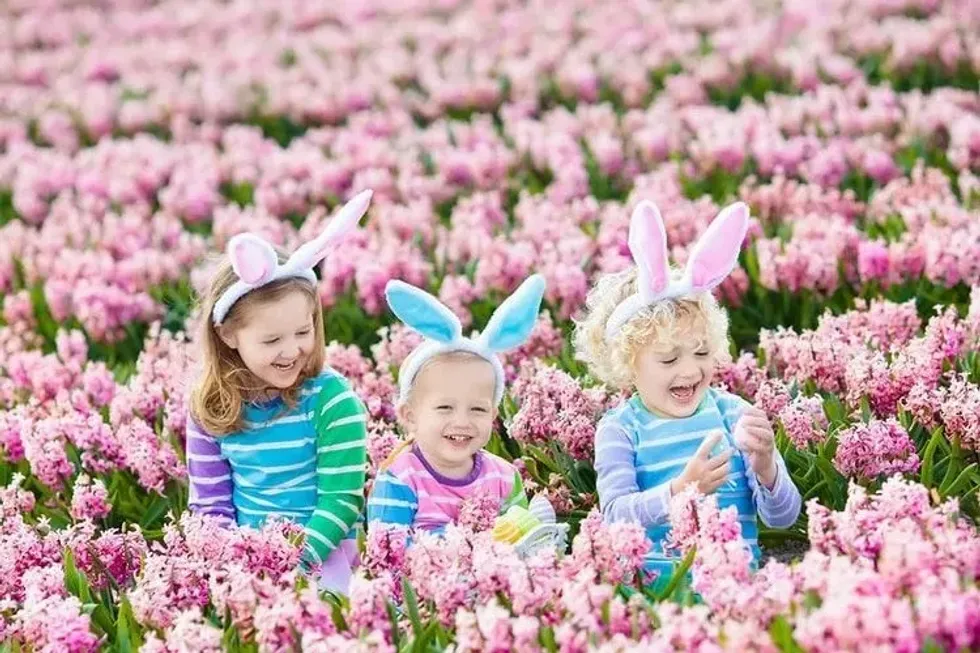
(865, 409)
(929, 645)
(129, 635)
(75, 581)
(157, 509)
(833, 478)
(955, 464)
(961, 481)
(421, 642)
(547, 639)
(927, 457)
(782, 635)
(396, 634)
(834, 409)
(678, 576)
(412, 606)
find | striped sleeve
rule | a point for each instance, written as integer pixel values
(340, 420)
(779, 507)
(620, 497)
(209, 475)
(392, 502)
(731, 407)
(517, 496)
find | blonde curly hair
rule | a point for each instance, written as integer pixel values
(662, 324)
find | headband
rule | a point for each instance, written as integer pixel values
(712, 259)
(256, 264)
(509, 326)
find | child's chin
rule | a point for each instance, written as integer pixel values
(688, 407)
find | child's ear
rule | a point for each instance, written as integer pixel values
(227, 336)
(406, 415)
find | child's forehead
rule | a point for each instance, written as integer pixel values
(684, 334)
(285, 313)
(454, 375)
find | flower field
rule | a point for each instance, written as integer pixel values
(500, 138)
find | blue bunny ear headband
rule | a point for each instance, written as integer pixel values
(509, 326)
(256, 264)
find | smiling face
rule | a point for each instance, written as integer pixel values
(675, 355)
(276, 338)
(672, 378)
(451, 410)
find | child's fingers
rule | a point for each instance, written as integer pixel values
(717, 479)
(762, 439)
(753, 422)
(755, 411)
(721, 460)
(707, 445)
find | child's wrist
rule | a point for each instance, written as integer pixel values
(768, 477)
(677, 484)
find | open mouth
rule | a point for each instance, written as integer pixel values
(284, 367)
(684, 393)
(458, 438)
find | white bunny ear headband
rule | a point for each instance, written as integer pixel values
(712, 259)
(256, 263)
(509, 326)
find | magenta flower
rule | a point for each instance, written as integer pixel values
(878, 448)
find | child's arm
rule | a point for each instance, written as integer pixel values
(517, 496)
(209, 475)
(780, 506)
(620, 497)
(777, 499)
(341, 458)
(392, 502)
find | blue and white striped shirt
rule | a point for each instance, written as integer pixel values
(638, 454)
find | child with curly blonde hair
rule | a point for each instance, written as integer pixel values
(660, 332)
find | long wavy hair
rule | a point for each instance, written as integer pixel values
(225, 384)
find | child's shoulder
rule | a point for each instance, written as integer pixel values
(493, 462)
(725, 399)
(404, 464)
(623, 413)
(327, 379)
(323, 377)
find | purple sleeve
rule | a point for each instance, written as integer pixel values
(779, 507)
(209, 475)
(620, 498)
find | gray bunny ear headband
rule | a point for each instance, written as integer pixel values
(712, 259)
(256, 264)
(509, 326)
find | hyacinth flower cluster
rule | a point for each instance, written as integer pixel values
(499, 139)
(894, 569)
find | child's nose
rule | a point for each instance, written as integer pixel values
(689, 366)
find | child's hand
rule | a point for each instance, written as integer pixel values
(754, 435)
(708, 473)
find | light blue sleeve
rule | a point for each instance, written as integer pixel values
(391, 502)
(620, 497)
(779, 507)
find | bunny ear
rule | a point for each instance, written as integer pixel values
(346, 219)
(716, 252)
(422, 312)
(253, 259)
(514, 319)
(648, 245)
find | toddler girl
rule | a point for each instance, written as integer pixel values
(271, 431)
(449, 390)
(660, 333)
